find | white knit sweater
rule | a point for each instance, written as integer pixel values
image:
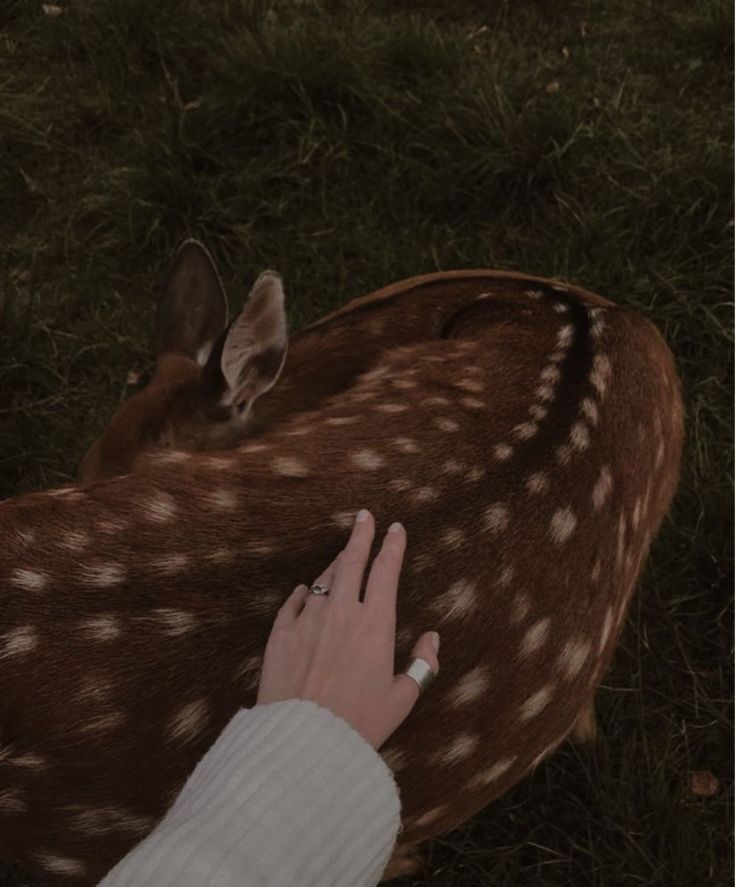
(289, 794)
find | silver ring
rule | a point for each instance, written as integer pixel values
(318, 588)
(420, 671)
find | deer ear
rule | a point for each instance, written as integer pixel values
(254, 348)
(192, 310)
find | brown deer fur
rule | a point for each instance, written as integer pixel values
(134, 612)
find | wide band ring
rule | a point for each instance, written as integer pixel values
(420, 671)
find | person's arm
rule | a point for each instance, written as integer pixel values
(290, 794)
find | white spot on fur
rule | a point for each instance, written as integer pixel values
(573, 657)
(430, 817)
(597, 329)
(563, 454)
(102, 575)
(562, 524)
(106, 820)
(18, 641)
(170, 457)
(596, 569)
(564, 336)
(537, 483)
(101, 627)
(224, 463)
(462, 747)
(496, 517)
(169, 564)
(188, 721)
(506, 577)
(436, 401)
(537, 411)
(74, 540)
(221, 556)
(367, 459)
(458, 600)
(602, 488)
(400, 484)
(395, 758)
(422, 561)
(425, 494)
(492, 774)
(621, 539)
(446, 424)
(472, 385)
(453, 538)
(560, 307)
(405, 445)
(174, 622)
(636, 513)
(472, 403)
(545, 393)
(659, 454)
(551, 374)
(403, 384)
(535, 704)
(589, 410)
(475, 474)
(535, 294)
(521, 607)
(580, 436)
(60, 865)
(452, 466)
(471, 686)
(28, 580)
(525, 430)
(111, 525)
(12, 800)
(341, 420)
(535, 637)
(601, 370)
(557, 356)
(28, 761)
(502, 452)
(606, 628)
(223, 499)
(391, 407)
(287, 466)
(160, 508)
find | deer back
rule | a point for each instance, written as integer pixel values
(529, 437)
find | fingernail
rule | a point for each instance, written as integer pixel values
(361, 515)
(434, 638)
(395, 527)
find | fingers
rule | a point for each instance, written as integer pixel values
(294, 603)
(291, 607)
(382, 586)
(351, 567)
(405, 690)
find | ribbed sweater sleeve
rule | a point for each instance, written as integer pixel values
(289, 794)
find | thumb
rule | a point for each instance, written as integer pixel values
(406, 690)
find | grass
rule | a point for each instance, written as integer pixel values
(350, 144)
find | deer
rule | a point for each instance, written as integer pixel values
(528, 434)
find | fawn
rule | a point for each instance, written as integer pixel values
(528, 434)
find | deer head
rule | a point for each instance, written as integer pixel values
(207, 374)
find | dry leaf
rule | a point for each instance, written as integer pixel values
(703, 783)
(552, 87)
(133, 378)
(51, 10)
(565, 52)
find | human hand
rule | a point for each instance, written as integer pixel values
(338, 651)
